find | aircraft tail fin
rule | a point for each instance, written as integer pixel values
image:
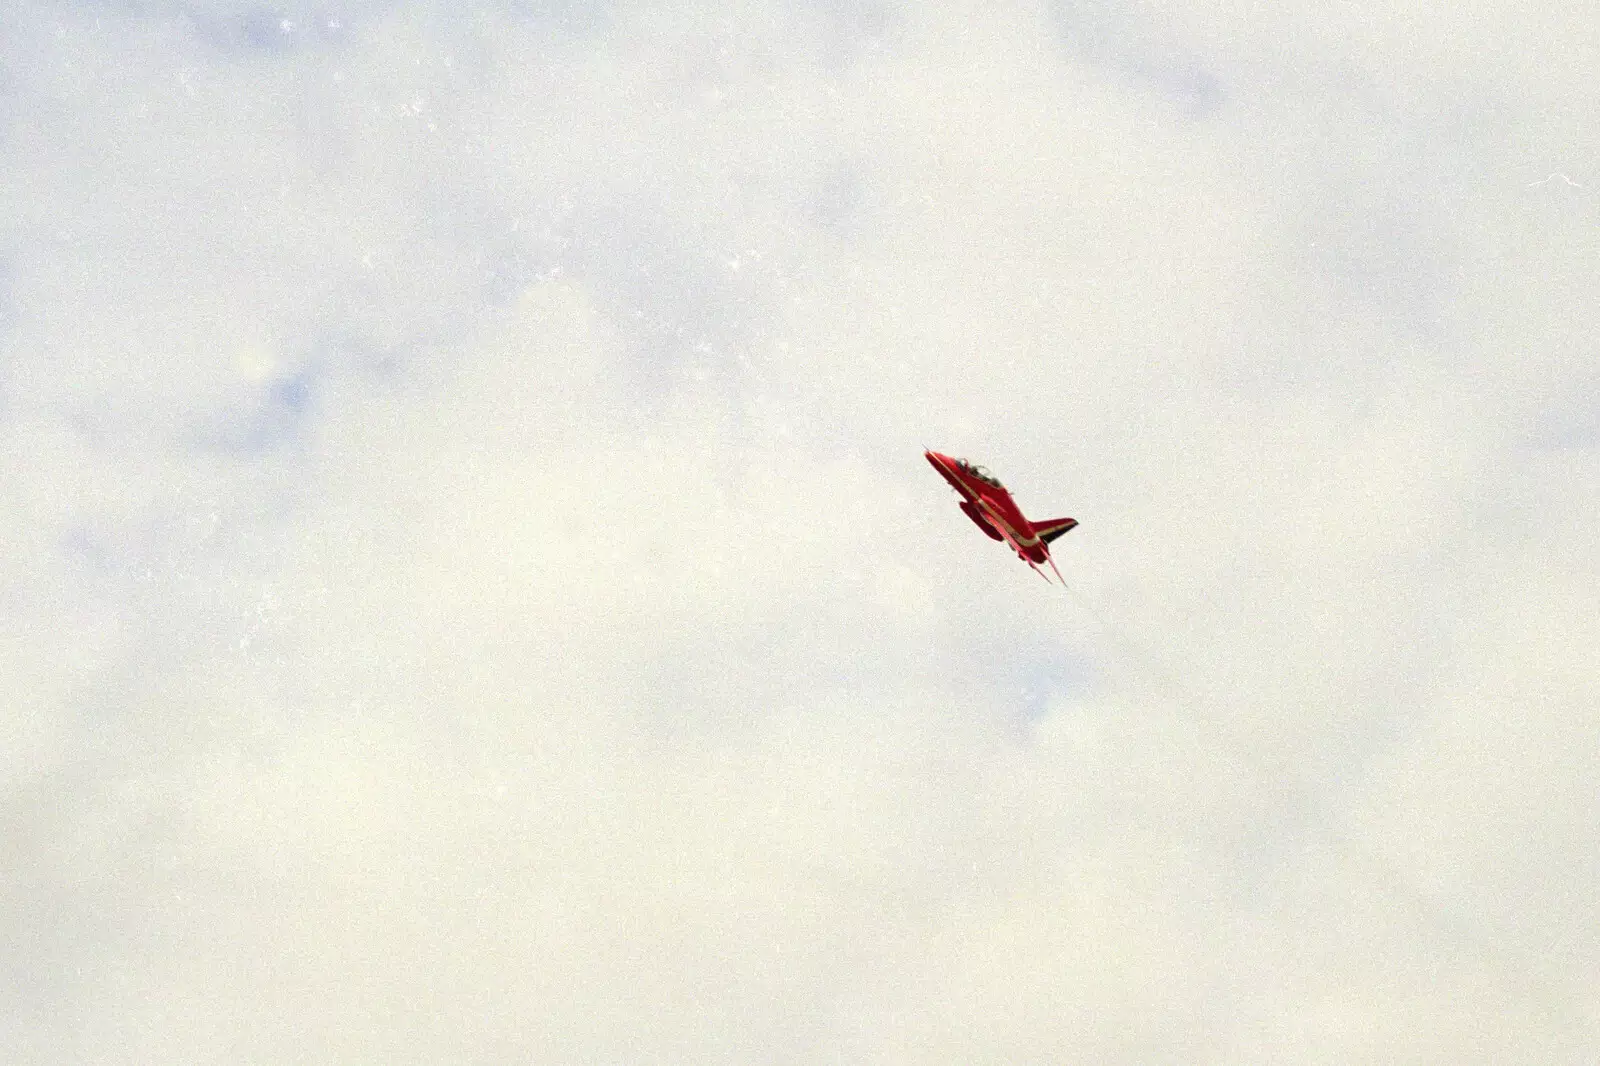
(1049, 530)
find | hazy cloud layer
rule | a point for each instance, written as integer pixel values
(474, 593)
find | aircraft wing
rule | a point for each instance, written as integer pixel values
(972, 511)
(1000, 526)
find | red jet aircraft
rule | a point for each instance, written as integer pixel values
(988, 504)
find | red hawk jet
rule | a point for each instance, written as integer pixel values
(988, 504)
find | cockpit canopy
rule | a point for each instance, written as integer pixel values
(980, 473)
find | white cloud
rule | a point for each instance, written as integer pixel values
(478, 595)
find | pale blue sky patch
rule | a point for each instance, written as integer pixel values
(8, 305)
(1123, 41)
(1572, 422)
(247, 29)
(271, 418)
(1051, 681)
(842, 200)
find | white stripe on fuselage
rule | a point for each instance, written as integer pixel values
(1023, 541)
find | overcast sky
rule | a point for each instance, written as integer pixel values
(473, 593)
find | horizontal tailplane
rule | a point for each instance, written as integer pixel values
(1050, 530)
